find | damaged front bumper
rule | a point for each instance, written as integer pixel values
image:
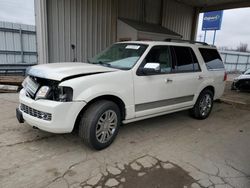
(47, 115)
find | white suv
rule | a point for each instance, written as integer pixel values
(127, 82)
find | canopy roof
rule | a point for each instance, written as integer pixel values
(210, 5)
(148, 27)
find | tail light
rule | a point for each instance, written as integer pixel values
(225, 77)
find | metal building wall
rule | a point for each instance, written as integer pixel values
(88, 24)
(178, 17)
(18, 43)
(131, 9)
(91, 25)
(171, 14)
(141, 10)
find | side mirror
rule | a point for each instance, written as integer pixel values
(151, 68)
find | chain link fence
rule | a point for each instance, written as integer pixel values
(235, 61)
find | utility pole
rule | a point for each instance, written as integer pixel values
(200, 37)
(214, 37)
(205, 36)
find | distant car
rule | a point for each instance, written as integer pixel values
(242, 82)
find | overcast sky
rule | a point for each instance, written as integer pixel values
(235, 25)
(18, 11)
(235, 28)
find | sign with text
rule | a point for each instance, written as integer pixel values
(212, 20)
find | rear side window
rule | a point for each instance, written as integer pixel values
(212, 58)
(186, 60)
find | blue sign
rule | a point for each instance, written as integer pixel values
(212, 20)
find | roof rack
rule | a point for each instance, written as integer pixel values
(188, 41)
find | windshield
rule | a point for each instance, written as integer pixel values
(121, 55)
(247, 72)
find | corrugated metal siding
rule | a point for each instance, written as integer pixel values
(11, 41)
(153, 10)
(88, 24)
(173, 15)
(131, 9)
(141, 10)
(91, 25)
(178, 17)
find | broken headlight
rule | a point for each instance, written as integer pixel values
(43, 92)
(65, 94)
(55, 93)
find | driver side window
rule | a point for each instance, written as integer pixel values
(162, 55)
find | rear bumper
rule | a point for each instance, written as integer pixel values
(63, 114)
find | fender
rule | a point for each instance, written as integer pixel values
(117, 83)
(206, 83)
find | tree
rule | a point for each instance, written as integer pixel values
(242, 47)
(223, 48)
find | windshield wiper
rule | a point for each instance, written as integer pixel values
(103, 63)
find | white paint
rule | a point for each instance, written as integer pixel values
(124, 84)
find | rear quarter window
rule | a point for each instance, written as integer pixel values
(185, 58)
(212, 58)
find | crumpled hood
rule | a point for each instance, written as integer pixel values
(61, 71)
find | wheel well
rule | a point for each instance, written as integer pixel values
(211, 88)
(112, 98)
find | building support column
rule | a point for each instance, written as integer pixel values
(41, 30)
(195, 24)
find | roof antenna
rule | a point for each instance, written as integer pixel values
(73, 47)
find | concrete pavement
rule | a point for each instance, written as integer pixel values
(168, 151)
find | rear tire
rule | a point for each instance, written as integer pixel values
(100, 124)
(203, 105)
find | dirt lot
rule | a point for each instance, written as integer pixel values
(168, 151)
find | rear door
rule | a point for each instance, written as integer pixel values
(186, 73)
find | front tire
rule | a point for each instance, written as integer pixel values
(100, 124)
(203, 105)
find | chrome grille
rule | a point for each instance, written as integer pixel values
(30, 86)
(36, 113)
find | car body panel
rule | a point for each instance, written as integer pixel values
(60, 71)
(64, 114)
(118, 84)
(242, 82)
(143, 96)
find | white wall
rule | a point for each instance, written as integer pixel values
(153, 36)
(124, 31)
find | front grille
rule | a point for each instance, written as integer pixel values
(36, 113)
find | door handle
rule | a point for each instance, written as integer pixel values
(200, 77)
(168, 80)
